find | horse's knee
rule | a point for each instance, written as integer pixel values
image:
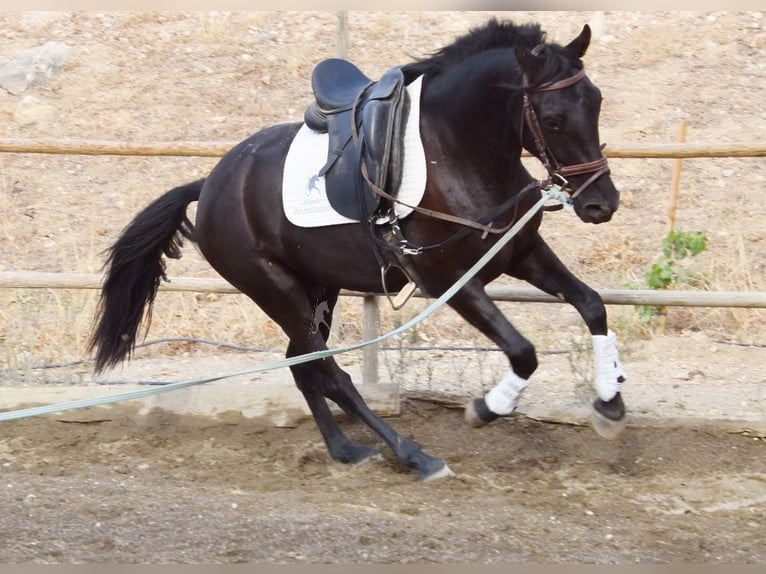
(593, 312)
(524, 360)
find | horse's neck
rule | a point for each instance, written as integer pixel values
(477, 124)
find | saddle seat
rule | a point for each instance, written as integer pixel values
(335, 83)
(347, 104)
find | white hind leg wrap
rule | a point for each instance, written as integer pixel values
(504, 397)
(609, 372)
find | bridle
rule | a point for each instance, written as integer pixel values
(559, 174)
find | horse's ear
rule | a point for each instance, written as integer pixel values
(579, 45)
(529, 63)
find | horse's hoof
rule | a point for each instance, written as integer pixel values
(355, 454)
(374, 455)
(605, 427)
(477, 414)
(443, 472)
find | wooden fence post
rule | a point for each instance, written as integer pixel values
(370, 330)
(342, 42)
(675, 184)
(675, 192)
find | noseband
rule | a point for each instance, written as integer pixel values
(557, 173)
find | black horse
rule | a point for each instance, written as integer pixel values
(497, 89)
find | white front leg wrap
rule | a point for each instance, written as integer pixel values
(504, 397)
(609, 373)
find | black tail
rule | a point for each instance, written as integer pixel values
(135, 268)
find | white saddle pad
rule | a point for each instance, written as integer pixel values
(304, 198)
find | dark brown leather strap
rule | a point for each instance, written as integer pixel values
(591, 179)
(485, 229)
(561, 84)
(587, 167)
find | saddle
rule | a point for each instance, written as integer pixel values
(365, 122)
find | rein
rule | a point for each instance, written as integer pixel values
(486, 229)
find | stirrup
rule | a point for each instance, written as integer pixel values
(401, 298)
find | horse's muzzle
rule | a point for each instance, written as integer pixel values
(595, 213)
(598, 203)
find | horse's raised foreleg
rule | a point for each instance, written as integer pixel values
(543, 269)
(475, 306)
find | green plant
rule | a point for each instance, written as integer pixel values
(666, 271)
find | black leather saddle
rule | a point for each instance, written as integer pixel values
(365, 121)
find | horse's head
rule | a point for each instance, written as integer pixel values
(561, 125)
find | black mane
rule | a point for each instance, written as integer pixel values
(495, 35)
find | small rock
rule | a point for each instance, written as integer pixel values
(34, 66)
(756, 41)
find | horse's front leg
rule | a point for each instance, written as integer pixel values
(475, 306)
(543, 269)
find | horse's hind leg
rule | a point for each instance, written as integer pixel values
(326, 380)
(346, 396)
(305, 375)
(338, 444)
(293, 305)
(543, 269)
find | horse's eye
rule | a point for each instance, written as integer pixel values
(552, 124)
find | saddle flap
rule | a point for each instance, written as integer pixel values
(383, 119)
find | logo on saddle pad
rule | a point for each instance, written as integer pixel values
(304, 193)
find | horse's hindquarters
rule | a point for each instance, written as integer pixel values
(241, 223)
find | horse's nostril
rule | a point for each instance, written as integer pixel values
(597, 212)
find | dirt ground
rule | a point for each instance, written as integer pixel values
(130, 487)
(190, 490)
